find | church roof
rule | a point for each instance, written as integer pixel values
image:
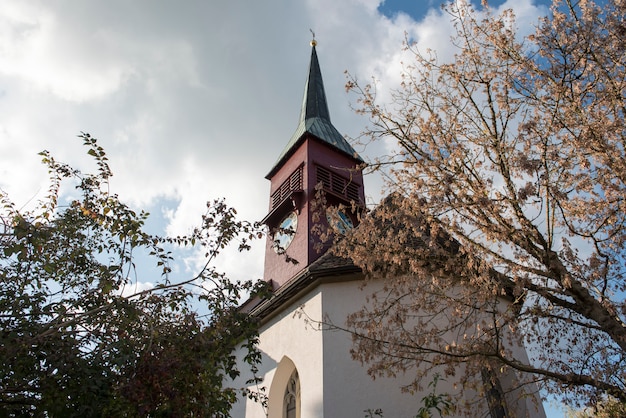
(328, 268)
(315, 118)
(331, 267)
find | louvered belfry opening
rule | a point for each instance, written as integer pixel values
(292, 184)
(338, 184)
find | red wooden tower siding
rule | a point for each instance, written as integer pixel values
(316, 153)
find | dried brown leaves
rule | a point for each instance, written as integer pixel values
(509, 184)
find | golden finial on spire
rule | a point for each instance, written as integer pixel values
(313, 41)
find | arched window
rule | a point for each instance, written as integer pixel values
(291, 401)
(284, 394)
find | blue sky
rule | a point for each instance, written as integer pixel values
(192, 100)
(416, 9)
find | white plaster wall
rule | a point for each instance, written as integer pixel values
(288, 335)
(332, 384)
(348, 389)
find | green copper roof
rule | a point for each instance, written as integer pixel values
(315, 117)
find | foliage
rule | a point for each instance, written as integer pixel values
(605, 408)
(80, 338)
(433, 401)
(505, 224)
(440, 402)
(371, 413)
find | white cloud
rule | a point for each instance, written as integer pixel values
(40, 49)
(192, 100)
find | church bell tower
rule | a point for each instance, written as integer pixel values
(316, 154)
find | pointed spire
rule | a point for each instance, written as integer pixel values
(315, 117)
(314, 101)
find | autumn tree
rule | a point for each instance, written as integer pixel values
(505, 222)
(605, 408)
(79, 336)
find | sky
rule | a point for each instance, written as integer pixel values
(193, 100)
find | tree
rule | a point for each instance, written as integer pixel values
(79, 338)
(507, 183)
(606, 408)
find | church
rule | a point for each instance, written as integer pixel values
(307, 372)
